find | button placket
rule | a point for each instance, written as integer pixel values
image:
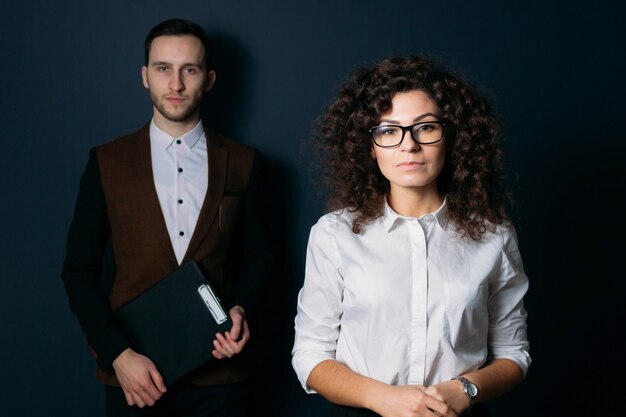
(180, 188)
(419, 304)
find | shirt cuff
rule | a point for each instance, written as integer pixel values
(304, 362)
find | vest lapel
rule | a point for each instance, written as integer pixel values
(218, 164)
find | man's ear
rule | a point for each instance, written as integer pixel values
(210, 80)
(144, 75)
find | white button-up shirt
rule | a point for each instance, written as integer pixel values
(408, 301)
(181, 174)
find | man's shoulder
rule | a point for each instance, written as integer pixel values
(126, 140)
(240, 155)
(232, 145)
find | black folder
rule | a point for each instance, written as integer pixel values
(174, 322)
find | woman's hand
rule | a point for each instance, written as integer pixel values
(450, 392)
(411, 401)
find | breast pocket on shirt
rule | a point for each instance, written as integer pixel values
(230, 212)
(466, 316)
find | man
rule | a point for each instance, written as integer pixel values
(161, 196)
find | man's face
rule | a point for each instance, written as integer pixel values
(176, 77)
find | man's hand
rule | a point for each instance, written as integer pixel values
(141, 381)
(232, 342)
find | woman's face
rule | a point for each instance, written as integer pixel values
(411, 166)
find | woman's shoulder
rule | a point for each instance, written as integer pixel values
(502, 235)
(331, 229)
(337, 220)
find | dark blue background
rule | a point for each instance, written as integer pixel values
(70, 77)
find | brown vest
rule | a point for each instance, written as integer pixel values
(139, 237)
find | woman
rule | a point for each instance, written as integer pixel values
(412, 299)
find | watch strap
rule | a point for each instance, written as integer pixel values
(468, 389)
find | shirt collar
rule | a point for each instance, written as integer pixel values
(391, 218)
(165, 140)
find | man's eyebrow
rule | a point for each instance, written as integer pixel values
(186, 64)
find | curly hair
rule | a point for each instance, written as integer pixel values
(473, 173)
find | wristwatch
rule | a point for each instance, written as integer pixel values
(470, 390)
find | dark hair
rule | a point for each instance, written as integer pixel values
(180, 27)
(472, 175)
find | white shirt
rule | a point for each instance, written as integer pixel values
(181, 174)
(407, 301)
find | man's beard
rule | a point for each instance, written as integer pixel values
(183, 116)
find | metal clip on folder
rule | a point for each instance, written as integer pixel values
(212, 303)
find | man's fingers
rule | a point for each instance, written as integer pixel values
(232, 342)
(150, 394)
(222, 346)
(158, 381)
(143, 395)
(137, 401)
(130, 399)
(246, 333)
(234, 332)
(139, 378)
(237, 316)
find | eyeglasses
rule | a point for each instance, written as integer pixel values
(424, 133)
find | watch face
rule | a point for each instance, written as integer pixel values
(472, 391)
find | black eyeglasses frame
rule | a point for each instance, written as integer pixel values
(443, 125)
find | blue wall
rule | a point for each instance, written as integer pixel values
(70, 77)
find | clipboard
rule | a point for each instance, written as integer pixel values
(174, 322)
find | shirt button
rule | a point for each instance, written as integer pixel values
(178, 141)
(181, 233)
(180, 201)
(180, 170)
